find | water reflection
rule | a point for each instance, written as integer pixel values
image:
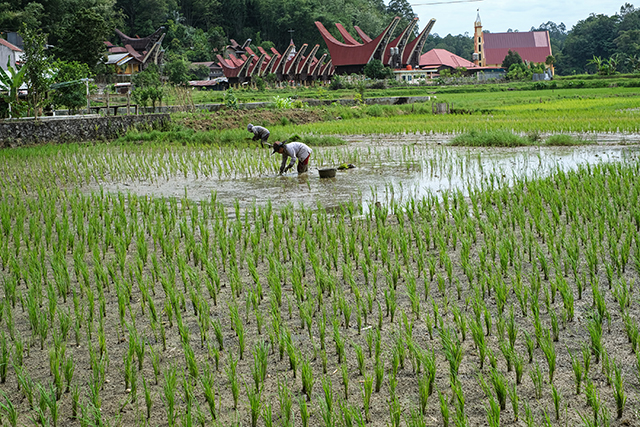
(384, 172)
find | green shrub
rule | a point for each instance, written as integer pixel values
(496, 138)
(375, 110)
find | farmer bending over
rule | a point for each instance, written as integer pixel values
(295, 150)
(259, 133)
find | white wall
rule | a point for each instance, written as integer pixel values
(6, 53)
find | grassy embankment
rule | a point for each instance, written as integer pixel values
(558, 111)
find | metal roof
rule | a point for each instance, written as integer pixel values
(9, 45)
(439, 57)
(119, 58)
(532, 46)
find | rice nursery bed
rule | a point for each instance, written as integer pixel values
(513, 302)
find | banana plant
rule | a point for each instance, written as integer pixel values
(10, 81)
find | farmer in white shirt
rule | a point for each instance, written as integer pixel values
(259, 133)
(296, 151)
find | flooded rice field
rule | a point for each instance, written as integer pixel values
(386, 168)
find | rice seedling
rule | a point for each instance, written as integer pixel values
(493, 412)
(500, 387)
(536, 377)
(557, 397)
(453, 351)
(594, 326)
(327, 403)
(395, 411)
(618, 390)
(232, 376)
(345, 380)
(479, 340)
(379, 374)
(170, 382)
(307, 378)
(549, 350)
(304, 411)
(593, 400)
(444, 408)
(10, 410)
(586, 358)
(577, 370)
(255, 403)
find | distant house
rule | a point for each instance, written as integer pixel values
(441, 59)
(490, 49)
(430, 65)
(215, 70)
(9, 53)
(137, 53)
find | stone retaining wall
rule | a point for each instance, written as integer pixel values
(19, 132)
(390, 100)
(91, 127)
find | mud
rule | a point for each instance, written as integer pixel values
(229, 119)
(395, 168)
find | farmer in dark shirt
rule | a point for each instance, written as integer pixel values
(259, 133)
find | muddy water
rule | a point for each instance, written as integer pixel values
(390, 169)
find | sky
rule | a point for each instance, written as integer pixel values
(498, 16)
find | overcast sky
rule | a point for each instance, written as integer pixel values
(497, 16)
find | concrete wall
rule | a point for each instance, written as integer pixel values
(19, 132)
(6, 54)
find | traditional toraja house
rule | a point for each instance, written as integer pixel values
(351, 56)
(136, 53)
(242, 64)
(490, 49)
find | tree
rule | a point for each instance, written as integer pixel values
(591, 37)
(403, 9)
(147, 86)
(550, 60)
(10, 82)
(70, 91)
(177, 71)
(605, 67)
(375, 69)
(142, 17)
(13, 18)
(511, 58)
(461, 45)
(82, 38)
(519, 71)
(38, 68)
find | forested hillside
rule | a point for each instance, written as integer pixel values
(198, 29)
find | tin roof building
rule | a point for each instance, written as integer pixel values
(490, 49)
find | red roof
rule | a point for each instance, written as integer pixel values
(365, 38)
(118, 49)
(439, 57)
(532, 46)
(348, 38)
(347, 54)
(9, 45)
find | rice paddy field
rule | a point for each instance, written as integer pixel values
(173, 283)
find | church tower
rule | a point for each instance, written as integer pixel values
(478, 42)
